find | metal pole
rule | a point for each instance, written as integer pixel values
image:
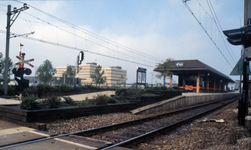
(137, 80)
(243, 107)
(240, 84)
(145, 80)
(242, 104)
(77, 74)
(7, 51)
(247, 11)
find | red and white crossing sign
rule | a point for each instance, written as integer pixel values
(22, 61)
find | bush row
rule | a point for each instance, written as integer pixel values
(11, 90)
(45, 87)
(32, 102)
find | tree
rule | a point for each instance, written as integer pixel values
(68, 75)
(164, 73)
(121, 81)
(2, 69)
(97, 76)
(45, 71)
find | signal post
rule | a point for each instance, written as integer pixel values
(242, 36)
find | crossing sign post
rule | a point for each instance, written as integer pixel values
(22, 61)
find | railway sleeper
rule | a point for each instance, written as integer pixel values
(138, 130)
(131, 133)
(116, 136)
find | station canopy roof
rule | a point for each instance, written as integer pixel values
(193, 67)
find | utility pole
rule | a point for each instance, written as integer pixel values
(10, 22)
(7, 51)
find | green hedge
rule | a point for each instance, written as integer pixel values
(30, 103)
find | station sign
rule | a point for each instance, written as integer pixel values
(179, 64)
(141, 77)
(141, 69)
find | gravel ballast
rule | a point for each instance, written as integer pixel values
(204, 135)
(196, 135)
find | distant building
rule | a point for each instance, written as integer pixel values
(237, 85)
(115, 75)
(85, 71)
(61, 70)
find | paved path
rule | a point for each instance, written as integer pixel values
(4, 101)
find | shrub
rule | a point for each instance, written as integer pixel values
(110, 99)
(134, 92)
(44, 87)
(65, 87)
(53, 102)
(164, 88)
(31, 88)
(85, 102)
(119, 91)
(11, 90)
(30, 103)
(99, 100)
(56, 88)
(148, 90)
(148, 94)
(156, 88)
(69, 101)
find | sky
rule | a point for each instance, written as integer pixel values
(126, 33)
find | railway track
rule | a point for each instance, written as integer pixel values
(131, 132)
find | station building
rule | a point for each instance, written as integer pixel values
(195, 76)
(113, 74)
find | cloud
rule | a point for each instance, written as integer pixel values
(164, 30)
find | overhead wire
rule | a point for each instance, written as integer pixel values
(74, 48)
(93, 34)
(206, 32)
(3, 5)
(2, 9)
(151, 58)
(81, 37)
(116, 44)
(219, 30)
(96, 43)
(227, 45)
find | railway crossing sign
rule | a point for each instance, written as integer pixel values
(238, 69)
(22, 61)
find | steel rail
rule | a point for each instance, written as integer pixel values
(140, 138)
(117, 125)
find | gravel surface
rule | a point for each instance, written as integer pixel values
(197, 135)
(204, 135)
(83, 123)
